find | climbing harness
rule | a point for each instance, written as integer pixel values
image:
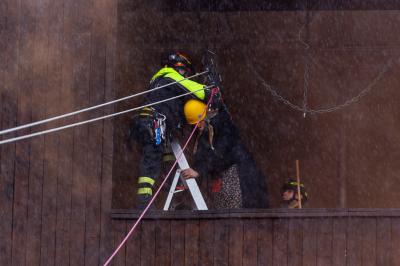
(159, 128)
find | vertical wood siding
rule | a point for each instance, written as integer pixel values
(261, 241)
(56, 56)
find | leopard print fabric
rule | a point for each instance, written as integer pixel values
(230, 195)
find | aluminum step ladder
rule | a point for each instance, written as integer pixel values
(190, 183)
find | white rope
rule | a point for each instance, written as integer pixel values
(93, 107)
(97, 119)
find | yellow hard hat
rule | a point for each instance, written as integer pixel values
(194, 111)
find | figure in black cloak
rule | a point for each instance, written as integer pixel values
(219, 152)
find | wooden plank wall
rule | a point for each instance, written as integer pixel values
(307, 241)
(55, 57)
(58, 56)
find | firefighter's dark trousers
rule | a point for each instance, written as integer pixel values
(150, 163)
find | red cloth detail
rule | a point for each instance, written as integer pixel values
(216, 185)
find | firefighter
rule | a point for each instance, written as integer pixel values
(290, 198)
(154, 126)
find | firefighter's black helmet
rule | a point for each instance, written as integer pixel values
(178, 60)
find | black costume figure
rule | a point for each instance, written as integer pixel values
(226, 150)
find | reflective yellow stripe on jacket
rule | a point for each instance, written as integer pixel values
(190, 85)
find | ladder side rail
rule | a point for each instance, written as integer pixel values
(172, 190)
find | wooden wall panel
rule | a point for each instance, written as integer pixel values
(81, 50)
(264, 242)
(383, 241)
(23, 148)
(3, 206)
(97, 91)
(56, 57)
(148, 243)
(51, 142)
(163, 242)
(280, 242)
(36, 171)
(395, 241)
(354, 238)
(310, 241)
(65, 162)
(3, 47)
(369, 247)
(63, 196)
(177, 243)
(339, 241)
(9, 105)
(133, 247)
(192, 243)
(206, 242)
(110, 30)
(324, 242)
(236, 239)
(250, 243)
(119, 230)
(295, 242)
(221, 242)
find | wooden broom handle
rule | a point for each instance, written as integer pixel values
(298, 182)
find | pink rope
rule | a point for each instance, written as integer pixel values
(213, 91)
